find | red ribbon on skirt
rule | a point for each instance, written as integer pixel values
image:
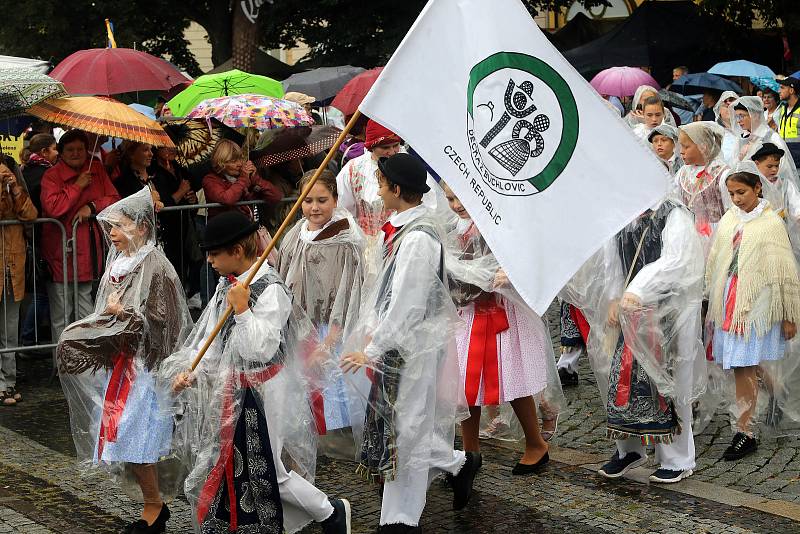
(224, 465)
(626, 365)
(580, 321)
(318, 410)
(490, 319)
(119, 386)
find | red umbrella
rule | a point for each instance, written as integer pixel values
(351, 95)
(112, 71)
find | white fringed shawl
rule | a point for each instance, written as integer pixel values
(768, 289)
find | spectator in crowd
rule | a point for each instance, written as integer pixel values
(73, 191)
(176, 187)
(771, 101)
(14, 204)
(677, 72)
(134, 171)
(234, 179)
(710, 99)
(43, 155)
(789, 123)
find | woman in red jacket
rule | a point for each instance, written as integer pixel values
(233, 180)
(73, 190)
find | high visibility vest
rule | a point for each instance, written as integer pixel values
(789, 126)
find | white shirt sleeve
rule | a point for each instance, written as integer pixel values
(416, 274)
(680, 264)
(258, 331)
(346, 199)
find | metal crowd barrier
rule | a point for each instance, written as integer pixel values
(69, 253)
(35, 288)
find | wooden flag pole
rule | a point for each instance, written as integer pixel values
(286, 222)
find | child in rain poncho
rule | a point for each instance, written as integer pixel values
(701, 180)
(505, 353)
(754, 299)
(320, 261)
(107, 361)
(243, 412)
(730, 141)
(664, 140)
(405, 341)
(641, 294)
(752, 131)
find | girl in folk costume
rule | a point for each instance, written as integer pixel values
(108, 361)
(754, 299)
(320, 261)
(730, 141)
(357, 182)
(642, 294)
(405, 339)
(505, 353)
(653, 114)
(636, 115)
(244, 409)
(701, 180)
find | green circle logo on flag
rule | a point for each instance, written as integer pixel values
(522, 123)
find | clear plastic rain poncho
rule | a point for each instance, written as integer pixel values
(515, 359)
(702, 187)
(753, 287)
(323, 269)
(407, 330)
(783, 193)
(730, 141)
(674, 162)
(759, 133)
(635, 117)
(107, 361)
(650, 275)
(248, 407)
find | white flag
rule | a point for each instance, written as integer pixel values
(544, 168)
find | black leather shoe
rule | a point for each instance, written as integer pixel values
(462, 482)
(130, 527)
(340, 521)
(531, 469)
(399, 528)
(741, 446)
(158, 526)
(567, 379)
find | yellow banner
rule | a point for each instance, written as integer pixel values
(11, 145)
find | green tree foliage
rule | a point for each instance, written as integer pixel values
(53, 29)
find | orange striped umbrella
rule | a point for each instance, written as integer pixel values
(102, 116)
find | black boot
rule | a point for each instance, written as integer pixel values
(462, 482)
(340, 520)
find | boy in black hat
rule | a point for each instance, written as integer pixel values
(245, 408)
(408, 348)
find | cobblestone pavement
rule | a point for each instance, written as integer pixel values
(42, 491)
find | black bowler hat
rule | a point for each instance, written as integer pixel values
(767, 149)
(406, 171)
(227, 229)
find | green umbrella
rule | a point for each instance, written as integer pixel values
(232, 82)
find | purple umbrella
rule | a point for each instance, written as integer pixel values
(621, 81)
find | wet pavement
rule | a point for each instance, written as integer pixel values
(41, 489)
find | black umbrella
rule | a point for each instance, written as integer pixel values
(323, 83)
(675, 100)
(700, 82)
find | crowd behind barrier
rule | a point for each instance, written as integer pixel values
(32, 332)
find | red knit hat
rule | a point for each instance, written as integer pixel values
(378, 135)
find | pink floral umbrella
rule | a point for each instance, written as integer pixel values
(253, 111)
(621, 81)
